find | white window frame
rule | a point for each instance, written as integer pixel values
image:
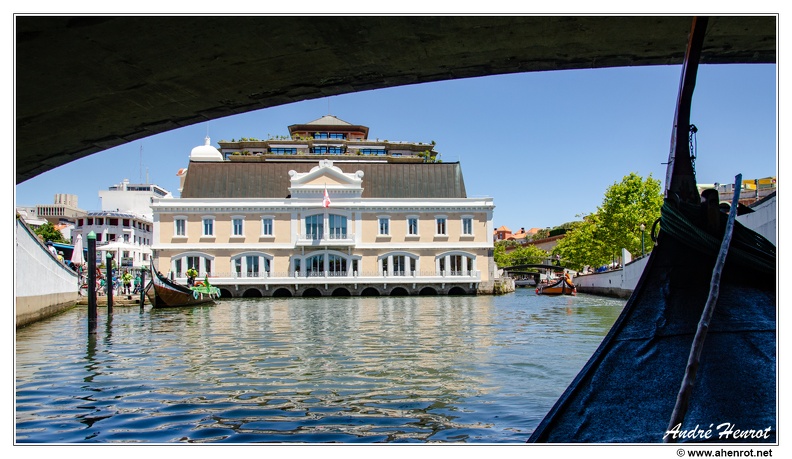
(299, 268)
(469, 219)
(203, 225)
(444, 259)
(386, 264)
(265, 261)
(417, 232)
(445, 225)
(181, 218)
(241, 218)
(271, 219)
(203, 257)
(387, 220)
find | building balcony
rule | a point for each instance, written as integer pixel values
(334, 238)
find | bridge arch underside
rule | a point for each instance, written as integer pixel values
(73, 70)
(347, 290)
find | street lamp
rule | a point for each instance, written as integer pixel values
(643, 250)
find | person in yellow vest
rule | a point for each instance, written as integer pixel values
(126, 278)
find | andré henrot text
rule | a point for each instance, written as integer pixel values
(725, 431)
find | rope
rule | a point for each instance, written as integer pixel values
(749, 249)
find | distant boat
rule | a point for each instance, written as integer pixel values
(559, 286)
(165, 293)
(692, 357)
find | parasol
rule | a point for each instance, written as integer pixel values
(77, 254)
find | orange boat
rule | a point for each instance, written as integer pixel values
(561, 286)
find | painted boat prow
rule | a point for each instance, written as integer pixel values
(628, 391)
(164, 293)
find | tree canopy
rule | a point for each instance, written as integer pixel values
(48, 232)
(616, 224)
(520, 255)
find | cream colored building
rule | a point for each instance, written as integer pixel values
(321, 224)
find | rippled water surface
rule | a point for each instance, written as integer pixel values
(388, 369)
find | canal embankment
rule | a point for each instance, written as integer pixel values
(43, 286)
(617, 283)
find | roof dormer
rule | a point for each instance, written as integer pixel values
(325, 176)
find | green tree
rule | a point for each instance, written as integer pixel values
(541, 234)
(48, 232)
(502, 253)
(583, 245)
(615, 225)
(511, 253)
(528, 255)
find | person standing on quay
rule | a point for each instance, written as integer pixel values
(126, 278)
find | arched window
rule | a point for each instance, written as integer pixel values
(398, 264)
(456, 264)
(336, 265)
(332, 262)
(314, 265)
(201, 262)
(251, 264)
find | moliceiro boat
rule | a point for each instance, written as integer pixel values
(165, 293)
(560, 286)
(692, 357)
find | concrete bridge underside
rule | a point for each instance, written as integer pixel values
(86, 84)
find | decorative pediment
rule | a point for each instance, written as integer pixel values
(311, 185)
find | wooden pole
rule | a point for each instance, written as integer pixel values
(91, 281)
(109, 261)
(142, 287)
(694, 359)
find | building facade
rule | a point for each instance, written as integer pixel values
(131, 236)
(124, 226)
(132, 198)
(318, 221)
(63, 209)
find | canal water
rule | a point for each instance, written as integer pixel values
(462, 369)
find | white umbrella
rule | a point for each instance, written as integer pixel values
(77, 255)
(118, 246)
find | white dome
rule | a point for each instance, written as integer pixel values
(205, 152)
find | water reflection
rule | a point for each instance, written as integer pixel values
(366, 369)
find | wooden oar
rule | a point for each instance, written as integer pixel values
(694, 359)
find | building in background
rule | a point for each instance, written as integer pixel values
(751, 190)
(125, 221)
(64, 209)
(325, 212)
(132, 198)
(63, 213)
(131, 234)
(29, 216)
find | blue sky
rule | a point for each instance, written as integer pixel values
(544, 145)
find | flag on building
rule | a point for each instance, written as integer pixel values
(326, 199)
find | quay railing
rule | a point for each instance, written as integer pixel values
(328, 237)
(308, 277)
